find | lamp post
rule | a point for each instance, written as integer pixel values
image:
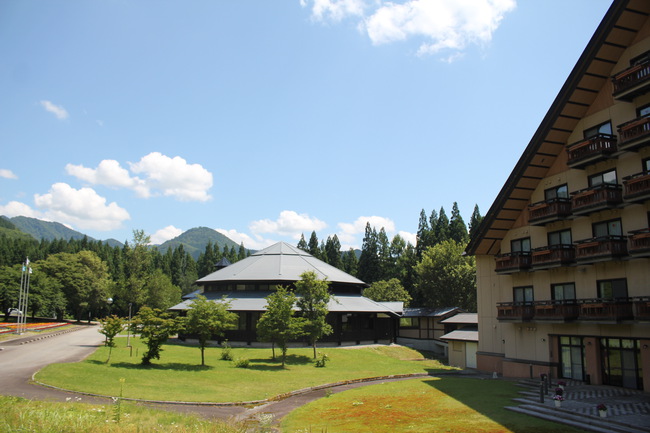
(128, 329)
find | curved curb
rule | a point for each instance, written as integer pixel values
(278, 397)
(50, 335)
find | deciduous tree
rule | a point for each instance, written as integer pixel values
(388, 291)
(313, 300)
(208, 319)
(154, 327)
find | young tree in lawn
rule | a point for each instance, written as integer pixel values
(313, 298)
(207, 319)
(278, 325)
(388, 291)
(154, 327)
(110, 327)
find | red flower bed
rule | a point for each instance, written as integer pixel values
(6, 327)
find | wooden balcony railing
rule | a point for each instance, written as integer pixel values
(642, 308)
(512, 262)
(639, 242)
(553, 255)
(631, 82)
(593, 309)
(611, 310)
(596, 198)
(636, 187)
(634, 134)
(591, 150)
(548, 211)
(515, 311)
(600, 249)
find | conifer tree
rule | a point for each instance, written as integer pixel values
(369, 259)
(457, 228)
(423, 233)
(314, 248)
(474, 222)
(350, 262)
(442, 227)
(302, 243)
(333, 252)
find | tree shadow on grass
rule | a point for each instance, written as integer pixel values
(268, 364)
(176, 366)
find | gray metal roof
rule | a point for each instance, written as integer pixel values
(461, 335)
(462, 318)
(254, 301)
(279, 262)
(428, 312)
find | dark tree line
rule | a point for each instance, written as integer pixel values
(424, 270)
(136, 274)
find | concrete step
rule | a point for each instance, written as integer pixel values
(585, 422)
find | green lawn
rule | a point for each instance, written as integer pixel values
(448, 404)
(20, 415)
(178, 375)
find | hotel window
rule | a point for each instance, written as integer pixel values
(608, 177)
(560, 191)
(520, 245)
(561, 237)
(612, 289)
(603, 128)
(523, 295)
(607, 228)
(643, 111)
(563, 292)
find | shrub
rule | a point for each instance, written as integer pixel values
(321, 360)
(226, 351)
(242, 363)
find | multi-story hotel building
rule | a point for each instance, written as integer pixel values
(563, 254)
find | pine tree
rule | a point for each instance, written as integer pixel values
(333, 252)
(314, 248)
(457, 227)
(369, 260)
(474, 222)
(350, 262)
(423, 233)
(442, 227)
(302, 243)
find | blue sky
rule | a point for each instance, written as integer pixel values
(268, 119)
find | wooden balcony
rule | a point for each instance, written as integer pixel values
(606, 310)
(639, 243)
(600, 249)
(548, 211)
(515, 311)
(570, 310)
(642, 308)
(631, 82)
(596, 198)
(562, 311)
(512, 262)
(591, 150)
(636, 188)
(553, 256)
(634, 134)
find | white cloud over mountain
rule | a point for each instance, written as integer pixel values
(159, 175)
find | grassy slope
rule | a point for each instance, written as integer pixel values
(177, 376)
(459, 405)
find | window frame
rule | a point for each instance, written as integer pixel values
(601, 175)
(559, 232)
(556, 195)
(525, 290)
(563, 286)
(595, 130)
(608, 226)
(520, 242)
(612, 281)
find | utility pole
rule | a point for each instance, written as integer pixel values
(23, 297)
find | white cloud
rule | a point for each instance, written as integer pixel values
(408, 237)
(249, 242)
(165, 234)
(289, 223)
(161, 175)
(60, 112)
(336, 10)
(449, 25)
(16, 208)
(109, 173)
(7, 174)
(348, 235)
(82, 208)
(174, 177)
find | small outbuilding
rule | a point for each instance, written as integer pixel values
(463, 341)
(421, 328)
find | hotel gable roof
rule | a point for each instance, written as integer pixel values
(590, 80)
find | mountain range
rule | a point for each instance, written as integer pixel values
(193, 240)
